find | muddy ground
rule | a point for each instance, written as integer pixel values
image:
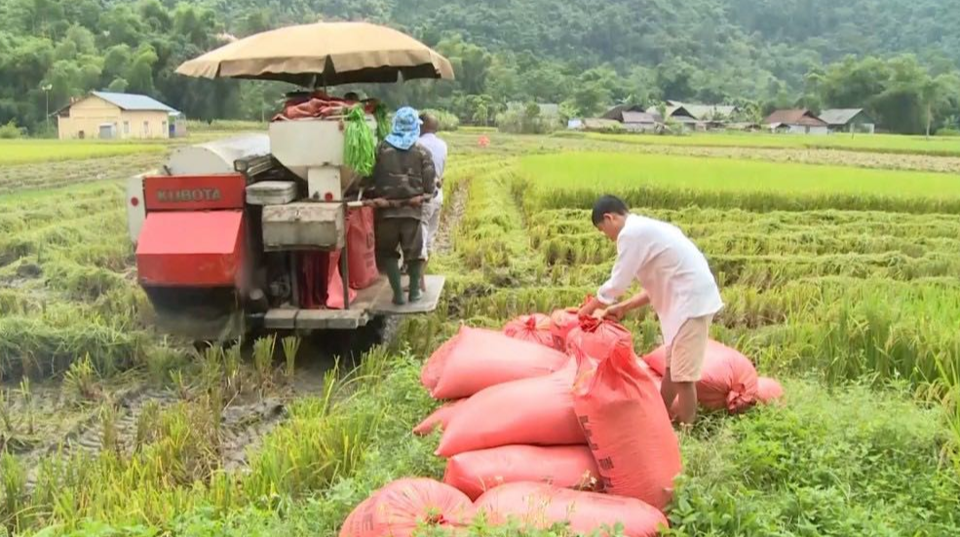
(47, 419)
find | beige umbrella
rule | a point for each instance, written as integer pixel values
(323, 54)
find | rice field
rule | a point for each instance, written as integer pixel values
(27, 151)
(879, 143)
(575, 180)
(839, 280)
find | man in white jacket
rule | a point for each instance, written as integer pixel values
(438, 150)
(676, 281)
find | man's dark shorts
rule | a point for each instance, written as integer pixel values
(403, 233)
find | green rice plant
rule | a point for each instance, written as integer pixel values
(330, 437)
(55, 342)
(17, 303)
(422, 335)
(234, 377)
(81, 380)
(263, 351)
(110, 433)
(308, 454)
(25, 151)
(506, 304)
(225, 125)
(124, 305)
(211, 366)
(161, 360)
(761, 474)
(148, 425)
(181, 385)
(704, 222)
(56, 481)
(865, 334)
(291, 345)
(490, 233)
(187, 443)
(6, 418)
(874, 143)
(13, 479)
(946, 389)
(82, 282)
(114, 256)
(27, 394)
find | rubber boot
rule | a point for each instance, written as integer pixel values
(415, 272)
(393, 276)
(423, 279)
(423, 276)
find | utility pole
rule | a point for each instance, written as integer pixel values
(46, 91)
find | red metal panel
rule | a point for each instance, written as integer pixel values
(194, 192)
(191, 249)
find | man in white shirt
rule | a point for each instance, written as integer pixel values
(431, 208)
(676, 281)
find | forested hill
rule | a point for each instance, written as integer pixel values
(652, 30)
(587, 53)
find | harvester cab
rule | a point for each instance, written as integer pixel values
(259, 230)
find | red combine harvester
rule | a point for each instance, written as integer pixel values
(229, 236)
(268, 230)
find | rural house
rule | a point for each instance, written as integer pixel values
(106, 115)
(798, 121)
(633, 118)
(675, 113)
(707, 112)
(601, 125)
(640, 122)
(616, 113)
(848, 120)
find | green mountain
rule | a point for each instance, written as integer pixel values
(586, 54)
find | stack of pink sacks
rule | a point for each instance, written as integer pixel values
(559, 409)
(407, 506)
(518, 417)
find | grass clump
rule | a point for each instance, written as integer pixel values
(851, 462)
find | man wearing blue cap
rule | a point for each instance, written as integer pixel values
(403, 178)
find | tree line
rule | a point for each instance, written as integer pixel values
(898, 60)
